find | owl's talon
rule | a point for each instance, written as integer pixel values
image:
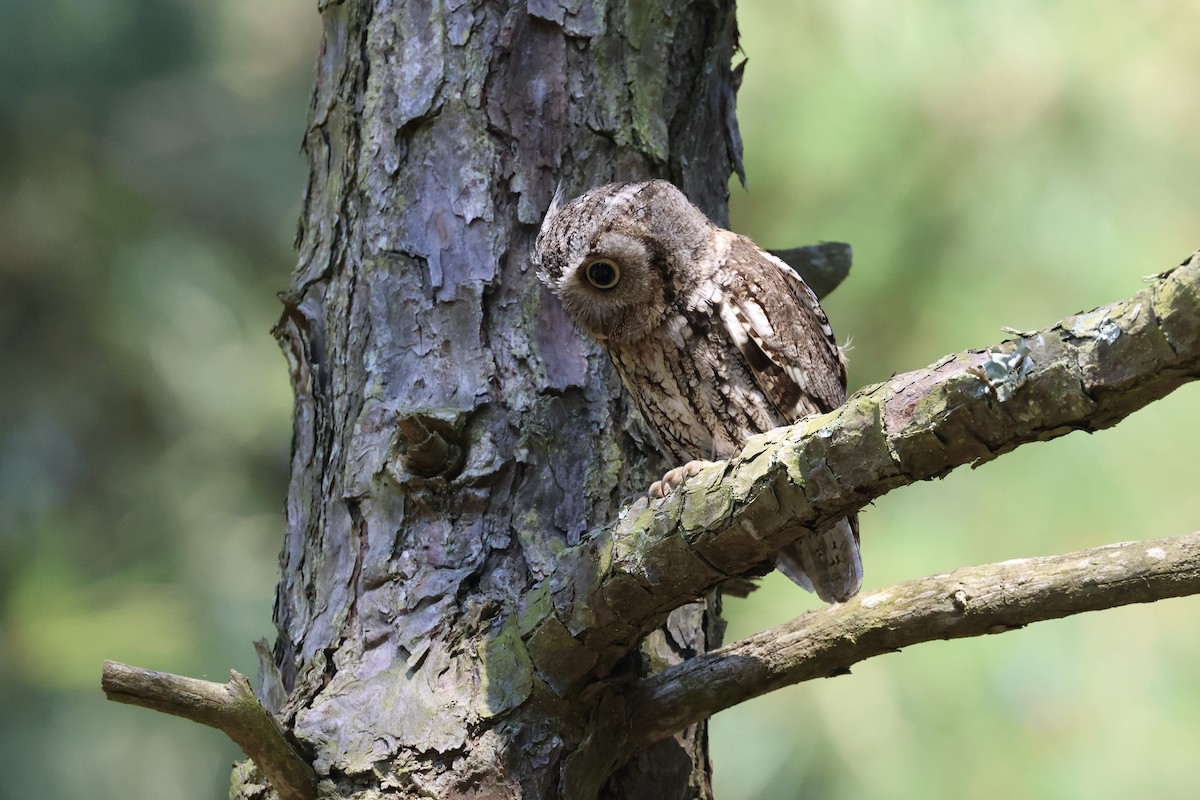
(675, 478)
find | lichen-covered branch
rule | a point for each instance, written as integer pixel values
(230, 707)
(966, 602)
(1087, 372)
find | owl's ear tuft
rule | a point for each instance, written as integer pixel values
(543, 274)
(555, 204)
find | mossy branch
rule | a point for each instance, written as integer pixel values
(1087, 372)
(230, 707)
(966, 602)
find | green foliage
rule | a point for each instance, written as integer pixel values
(994, 165)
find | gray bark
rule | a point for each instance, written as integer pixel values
(453, 433)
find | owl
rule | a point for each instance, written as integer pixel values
(714, 338)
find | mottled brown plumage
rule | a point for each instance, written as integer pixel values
(715, 339)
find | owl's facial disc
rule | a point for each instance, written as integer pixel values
(613, 288)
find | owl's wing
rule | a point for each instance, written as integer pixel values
(776, 323)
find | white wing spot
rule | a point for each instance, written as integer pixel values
(783, 265)
(798, 377)
(758, 319)
(733, 325)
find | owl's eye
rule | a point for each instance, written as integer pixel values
(603, 273)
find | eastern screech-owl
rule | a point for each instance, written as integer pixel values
(715, 339)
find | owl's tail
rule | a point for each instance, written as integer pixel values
(827, 563)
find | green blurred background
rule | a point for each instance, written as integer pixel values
(150, 182)
(993, 164)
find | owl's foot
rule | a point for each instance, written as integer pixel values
(673, 479)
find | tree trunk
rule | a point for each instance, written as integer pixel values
(453, 432)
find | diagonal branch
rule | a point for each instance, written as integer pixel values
(966, 602)
(1087, 372)
(230, 707)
